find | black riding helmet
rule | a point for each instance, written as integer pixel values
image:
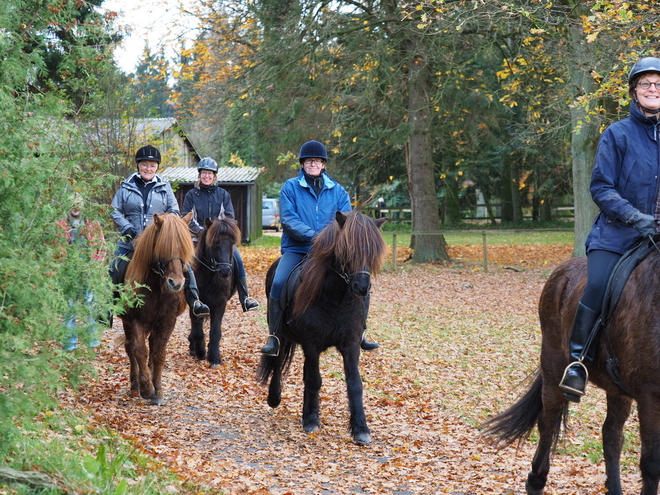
(147, 152)
(208, 163)
(312, 149)
(647, 64)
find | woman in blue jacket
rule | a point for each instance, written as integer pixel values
(308, 203)
(624, 185)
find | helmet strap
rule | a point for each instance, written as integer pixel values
(644, 109)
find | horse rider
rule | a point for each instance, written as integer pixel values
(208, 200)
(143, 194)
(624, 185)
(308, 203)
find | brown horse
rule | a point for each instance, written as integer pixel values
(156, 272)
(329, 309)
(632, 336)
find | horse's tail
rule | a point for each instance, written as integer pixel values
(517, 422)
(269, 364)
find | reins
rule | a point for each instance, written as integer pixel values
(346, 277)
(215, 265)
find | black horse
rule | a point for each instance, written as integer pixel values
(216, 278)
(631, 337)
(329, 310)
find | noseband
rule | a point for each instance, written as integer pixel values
(159, 269)
(347, 277)
(216, 265)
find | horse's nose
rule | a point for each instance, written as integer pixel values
(224, 272)
(360, 286)
(173, 285)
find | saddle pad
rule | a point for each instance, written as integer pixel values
(290, 285)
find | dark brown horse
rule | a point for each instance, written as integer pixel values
(632, 336)
(156, 272)
(216, 280)
(329, 310)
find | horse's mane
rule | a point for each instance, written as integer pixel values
(218, 229)
(355, 246)
(166, 238)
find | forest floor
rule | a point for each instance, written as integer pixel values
(457, 346)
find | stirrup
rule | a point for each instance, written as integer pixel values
(570, 390)
(249, 304)
(266, 351)
(200, 310)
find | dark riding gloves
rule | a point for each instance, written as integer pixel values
(129, 233)
(646, 225)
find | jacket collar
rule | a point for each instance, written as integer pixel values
(328, 183)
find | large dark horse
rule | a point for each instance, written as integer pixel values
(329, 310)
(216, 280)
(156, 272)
(632, 336)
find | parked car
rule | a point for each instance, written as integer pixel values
(270, 214)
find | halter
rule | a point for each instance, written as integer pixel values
(347, 277)
(215, 265)
(159, 269)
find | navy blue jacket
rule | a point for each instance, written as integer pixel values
(206, 202)
(304, 214)
(624, 179)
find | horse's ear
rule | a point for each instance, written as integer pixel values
(380, 221)
(207, 222)
(158, 219)
(341, 218)
(188, 217)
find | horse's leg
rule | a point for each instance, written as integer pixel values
(157, 353)
(136, 350)
(648, 410)
(313, 381)
(549, 426)
(215, 335)
(618, 410)
(275, 387)
(359, 429)
(196, 338)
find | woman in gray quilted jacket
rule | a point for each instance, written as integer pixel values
(143, 194)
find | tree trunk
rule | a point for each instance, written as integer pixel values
(419, 158)
(584, 140)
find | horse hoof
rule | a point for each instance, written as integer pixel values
(311, 428)
(362, 439)
(157, 401)
(214, 366)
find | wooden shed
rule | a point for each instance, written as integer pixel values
(239, 182)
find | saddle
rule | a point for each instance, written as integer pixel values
(620, 275)
(292, 281)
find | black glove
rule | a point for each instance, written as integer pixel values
(645, 224)
(130, 233)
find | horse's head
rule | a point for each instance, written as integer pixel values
(359, 249)
(164, 248)
(215, 250)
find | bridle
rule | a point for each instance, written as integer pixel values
(215, 265)
(159, 268)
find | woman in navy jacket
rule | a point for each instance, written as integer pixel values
(208, 200)
(308, 203)
(624, 185)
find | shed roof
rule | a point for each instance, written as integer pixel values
(239, 175)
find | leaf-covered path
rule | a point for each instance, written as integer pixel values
(456, 347)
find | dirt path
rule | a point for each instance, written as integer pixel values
(455, 346)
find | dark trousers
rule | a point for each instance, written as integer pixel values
(600, 265)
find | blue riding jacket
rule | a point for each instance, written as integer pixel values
(624, 179)
(304, 214)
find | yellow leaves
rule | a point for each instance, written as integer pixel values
(355, 139)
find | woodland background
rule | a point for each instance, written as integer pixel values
(422, 103)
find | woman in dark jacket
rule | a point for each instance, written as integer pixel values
(308, 203)
(624, 185)
(138, 198)
(208, 200)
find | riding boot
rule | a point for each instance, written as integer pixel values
(582, 350)
(247, 303)
(198, 308)
(272, 347)
(366, 345)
